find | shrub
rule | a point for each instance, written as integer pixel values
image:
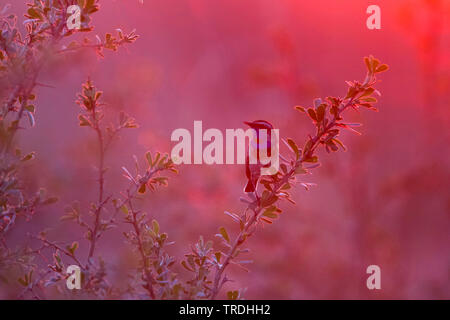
(21, 59)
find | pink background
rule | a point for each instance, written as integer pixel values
(385, 201)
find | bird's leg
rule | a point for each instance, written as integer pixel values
(258, 199)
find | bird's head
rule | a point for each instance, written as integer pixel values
(259, 124)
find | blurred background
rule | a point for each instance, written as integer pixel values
(385, 201)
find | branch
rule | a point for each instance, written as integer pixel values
(327, 130)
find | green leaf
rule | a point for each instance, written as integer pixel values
(320, 113)
(307, 147)
(90, 3)
(28, 157)
(30, 108)
(369, 99)
(72, 248)
(351, 92)
(368, 92)
(158, 155)
(224, 234)
(162, 162)
(375, 63)
(287, 186)
(270, 215)
(184, 264)
(34, 14)
(313, 159)
(232, 295)
(23, 282)
(312, 114)
(367, 62)
(301, 109)
(98, 94)
(267, 220)
(68, 217)
(270, 212)
(155, 225)
(294, 147)
(124, 209)
(83, 121)
(339, 142)
(142, 189)
(268, 201)
(148, 155)
(332, 145)
(300, 170)
(382, 68)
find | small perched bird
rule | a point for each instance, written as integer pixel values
(253, 171)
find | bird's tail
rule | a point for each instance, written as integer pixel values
(249, 187)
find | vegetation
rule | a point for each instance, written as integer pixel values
(22, 57)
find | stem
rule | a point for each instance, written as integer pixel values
(148, 275)
(28, 84)
(101, 182)
(218, 282)
(67, 253)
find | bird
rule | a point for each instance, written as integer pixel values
(253, 171)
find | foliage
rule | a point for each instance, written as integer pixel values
(21, 59)
(327, 117)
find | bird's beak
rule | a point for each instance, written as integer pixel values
(248, 123)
